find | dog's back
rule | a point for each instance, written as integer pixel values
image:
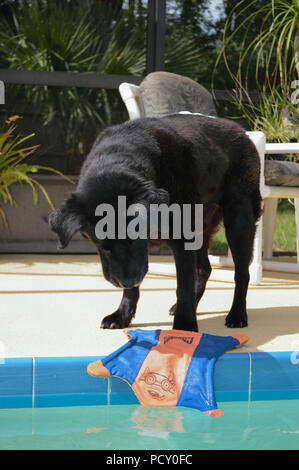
(226, 159)
(194, 151)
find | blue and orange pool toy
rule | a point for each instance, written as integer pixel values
(169, 367)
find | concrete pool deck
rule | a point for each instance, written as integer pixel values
(52, 305)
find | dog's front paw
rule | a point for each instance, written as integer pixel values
(185, 322)
(236, 319)
(115, 320)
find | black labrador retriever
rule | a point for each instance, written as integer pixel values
(181, 159)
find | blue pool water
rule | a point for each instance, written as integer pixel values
(254, 425)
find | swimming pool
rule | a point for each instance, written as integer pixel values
(256, 425)
(52, 403)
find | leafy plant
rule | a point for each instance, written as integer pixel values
(275, 116)
(274, 50)
(271, 115)
(181, 55)
(14, 169)
(270, 61)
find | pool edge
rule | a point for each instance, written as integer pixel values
(64, 381)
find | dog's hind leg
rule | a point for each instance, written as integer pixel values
(122, 317)
(240, 226)
(203, 266)
(202, 274)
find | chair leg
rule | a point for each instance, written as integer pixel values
(256, 266)
(270, 208)
(297, 225)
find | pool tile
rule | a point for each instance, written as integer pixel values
(275, 376)
(231, 377)
(64, 381)
(16, 382)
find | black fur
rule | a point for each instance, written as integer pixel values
(175, 159)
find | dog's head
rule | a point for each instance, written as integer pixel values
(124, 260)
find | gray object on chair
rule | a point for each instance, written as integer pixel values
(165, 93)
(281, 173)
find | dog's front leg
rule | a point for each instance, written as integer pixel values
(122, 317)
(185, 315)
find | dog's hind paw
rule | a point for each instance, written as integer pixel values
(238, 324)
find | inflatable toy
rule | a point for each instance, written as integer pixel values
(169, 367)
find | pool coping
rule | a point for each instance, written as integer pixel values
(34, 382)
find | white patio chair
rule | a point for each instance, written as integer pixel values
(132, 99)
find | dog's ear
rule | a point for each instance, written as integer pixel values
(67, 220)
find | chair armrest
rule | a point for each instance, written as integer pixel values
(282, 148)
(130, 95)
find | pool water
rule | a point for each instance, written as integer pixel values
(256, 425)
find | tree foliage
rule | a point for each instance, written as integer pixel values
(109, 37)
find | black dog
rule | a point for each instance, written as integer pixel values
(179, 159)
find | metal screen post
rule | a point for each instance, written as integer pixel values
(156, 26)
